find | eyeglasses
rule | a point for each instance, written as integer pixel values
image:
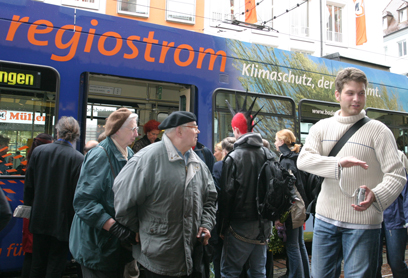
(192, 126)
(133, 129)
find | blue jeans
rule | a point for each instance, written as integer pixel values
(297, 254)
(396, 241)
(358, 247)
(236, 252)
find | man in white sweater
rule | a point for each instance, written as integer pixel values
(344, 229)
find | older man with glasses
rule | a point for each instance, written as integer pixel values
(166, 195)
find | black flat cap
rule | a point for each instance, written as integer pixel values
(177, 118)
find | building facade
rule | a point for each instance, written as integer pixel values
(395, 31)
(315, 27)
(183, 14)
(324, 28)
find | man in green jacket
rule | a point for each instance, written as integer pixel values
(166, 195)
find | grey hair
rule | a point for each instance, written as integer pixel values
(131, 117)
(125, 124)
(169, 130)
(68, 129)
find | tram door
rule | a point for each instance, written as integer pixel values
(148, 99)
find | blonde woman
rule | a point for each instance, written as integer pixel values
(218, 151)
(285, 143)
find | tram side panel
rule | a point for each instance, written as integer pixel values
(11, 246)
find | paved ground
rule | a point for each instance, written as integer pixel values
(279, 265)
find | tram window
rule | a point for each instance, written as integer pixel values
(26, 110)
(396, 121)
(277, 113)
(389, 118)
(311, 111)
(304, 131)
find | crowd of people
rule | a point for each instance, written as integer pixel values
(167, 207)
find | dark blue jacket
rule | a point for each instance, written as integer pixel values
(205, 154)
(396, 215)
(216, 173)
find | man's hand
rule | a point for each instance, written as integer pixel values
(369, 199)
(125, 235)
(350, 161)
(207, 235)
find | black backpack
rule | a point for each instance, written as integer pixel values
(275, 189)
(312, 189)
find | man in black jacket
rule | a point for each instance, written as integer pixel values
(50, 183)
(237, 204)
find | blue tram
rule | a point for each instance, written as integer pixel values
(58, 61)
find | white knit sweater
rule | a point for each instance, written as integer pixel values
(373, 143)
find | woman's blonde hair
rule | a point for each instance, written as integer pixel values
(218, 146)
(289, 139)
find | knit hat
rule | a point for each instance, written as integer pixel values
(177, 118)
(116, 120)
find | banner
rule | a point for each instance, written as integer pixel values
(361, 34)
(250, 11)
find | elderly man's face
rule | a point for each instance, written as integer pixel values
(190, 134)
(152, 135)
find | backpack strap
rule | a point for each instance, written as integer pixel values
(339, 145)
(261, 236)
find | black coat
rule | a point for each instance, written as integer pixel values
(239, 179)
(5, 210)
(50, 183)
(288, 161)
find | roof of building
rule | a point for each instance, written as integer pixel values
(391, 13)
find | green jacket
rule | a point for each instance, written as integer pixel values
(166, 202)
(91, 245)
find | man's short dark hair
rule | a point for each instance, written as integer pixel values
(350, 74)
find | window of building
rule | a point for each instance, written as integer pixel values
(181, 11)
(89, 4)
(134, 7)
(299, 20)
(402, 48)
(334, 23)
(235, 10)
(385, 23)
(402, 14)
